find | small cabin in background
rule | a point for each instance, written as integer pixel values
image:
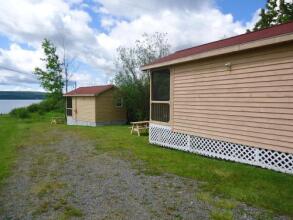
(94, 105)
(229, 99)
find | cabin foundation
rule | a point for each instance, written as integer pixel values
(164, 136)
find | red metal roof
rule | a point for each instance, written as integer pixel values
(239, 39)
(90, 90)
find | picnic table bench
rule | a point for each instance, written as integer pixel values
(139, 126)
(57, 120)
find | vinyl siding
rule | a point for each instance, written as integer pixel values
(106, 111)
(83, 109)
(251, 104)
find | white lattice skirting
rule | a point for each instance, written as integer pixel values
(164, 136)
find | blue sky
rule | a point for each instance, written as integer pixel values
(242, 10)
(92, 31)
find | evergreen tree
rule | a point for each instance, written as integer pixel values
(275, 12)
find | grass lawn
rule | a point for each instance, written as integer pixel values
(10, 134)
(231, 182)
(13, 134)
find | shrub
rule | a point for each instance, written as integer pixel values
(20, 113)
(33, 107)
(47, 105)
(51, 105)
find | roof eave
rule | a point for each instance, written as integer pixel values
(79, 95)
(225, 50)
(95, 94)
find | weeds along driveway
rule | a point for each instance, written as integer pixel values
(64, 176)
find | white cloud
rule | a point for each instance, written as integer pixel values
(184, 29)
(255, 18)
(85, 79)
(12, 80)
(21, 59)
(108, 22)
(16, 66)
(30, 21)
(132, 9)
(187, 22)
(74, 2)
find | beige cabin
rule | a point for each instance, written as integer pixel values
(95, 105)
(230, 99)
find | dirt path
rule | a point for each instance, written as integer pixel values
(67, 179)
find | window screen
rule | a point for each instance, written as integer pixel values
(69, 106)
(160, 112)
(161, 85)
(69, 102)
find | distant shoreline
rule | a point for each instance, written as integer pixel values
(21, 98)
(7, 105)
(22, 95)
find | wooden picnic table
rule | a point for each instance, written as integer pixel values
(139, 126)
(57, 120)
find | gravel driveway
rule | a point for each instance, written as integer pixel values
(68, 179)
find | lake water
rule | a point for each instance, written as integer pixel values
(7, 105)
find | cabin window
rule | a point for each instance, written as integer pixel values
(161, 85)
(160, 112)
(160, 95)
(69, 106)
(119, 102)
